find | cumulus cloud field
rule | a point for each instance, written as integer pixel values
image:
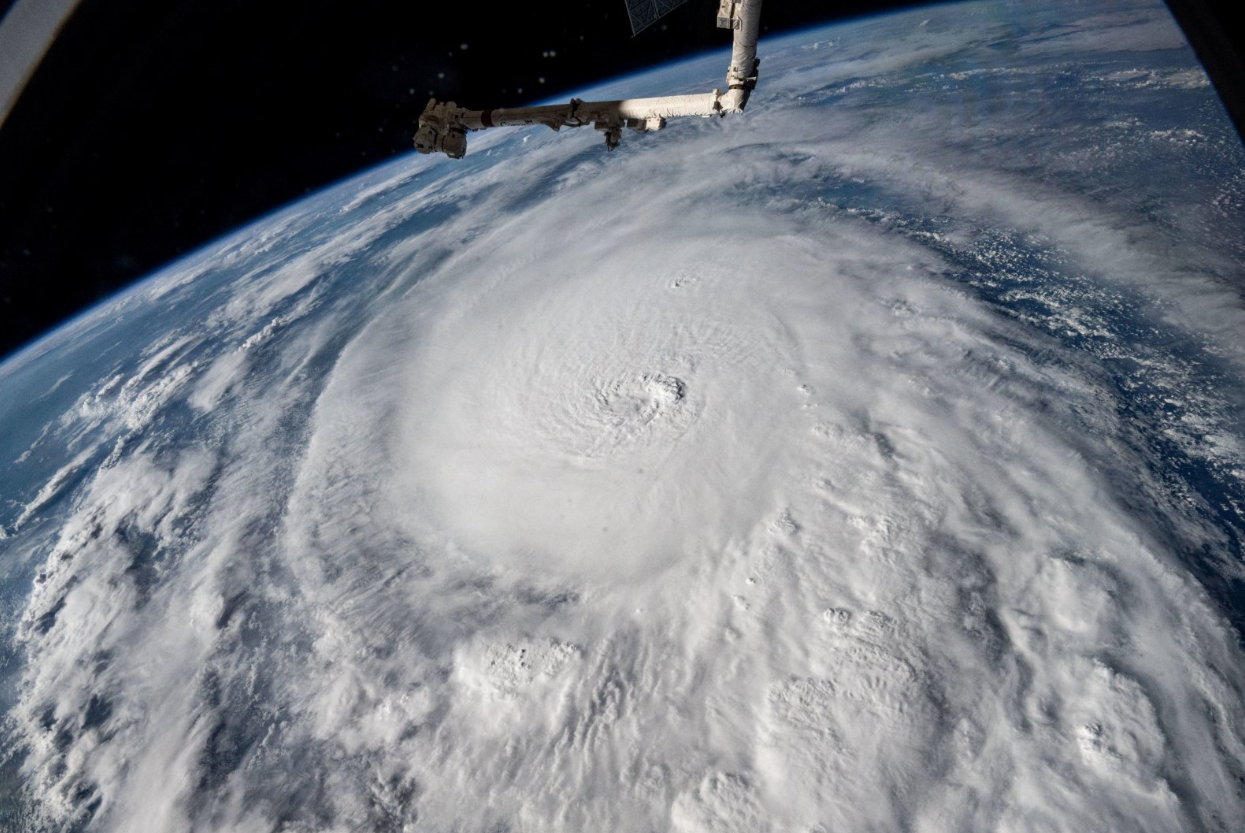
(873, 461)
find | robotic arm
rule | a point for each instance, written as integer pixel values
(443, 125)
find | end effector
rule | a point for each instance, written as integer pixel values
(441, 130)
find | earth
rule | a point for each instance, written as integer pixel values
(874, 460)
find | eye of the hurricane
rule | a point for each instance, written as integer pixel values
(624, 410)
(641, 398)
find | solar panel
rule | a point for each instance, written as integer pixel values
(644, 13)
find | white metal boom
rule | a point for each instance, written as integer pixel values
(443, 125)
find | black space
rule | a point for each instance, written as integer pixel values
(155, 126)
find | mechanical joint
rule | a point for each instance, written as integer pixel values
(612, 131)
(441, 130)
(743, 76)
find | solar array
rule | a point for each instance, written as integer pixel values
(644, 13)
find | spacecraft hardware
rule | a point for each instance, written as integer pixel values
(443, 126)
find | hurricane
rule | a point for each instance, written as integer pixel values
(874, 460)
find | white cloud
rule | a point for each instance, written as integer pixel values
(672, 491)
